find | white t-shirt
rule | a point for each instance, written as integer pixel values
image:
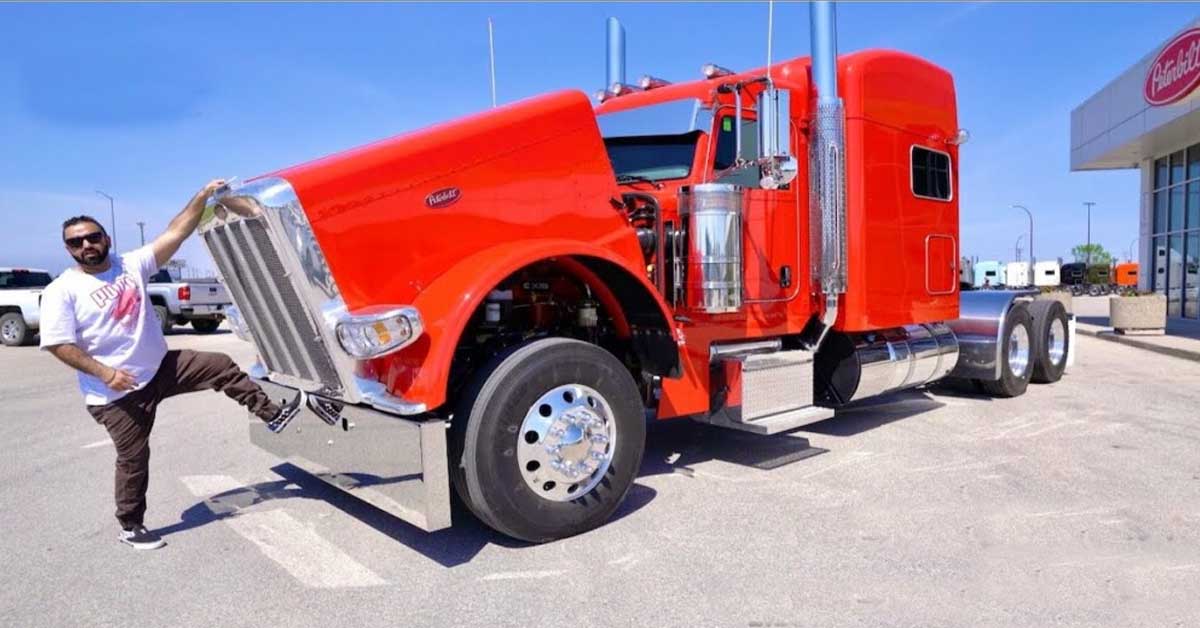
(109, 317)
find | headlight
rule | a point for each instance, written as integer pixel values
(378, 331)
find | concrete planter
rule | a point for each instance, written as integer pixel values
(1062, 296)
(1145, 314)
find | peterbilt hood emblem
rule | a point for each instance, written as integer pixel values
(444, 197)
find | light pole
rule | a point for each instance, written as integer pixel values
(1017, 249)
(1031, 258)
(112, 217)
(1089, 233)
(1133, 248)
(142, 230)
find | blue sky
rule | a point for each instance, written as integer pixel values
(147, 102)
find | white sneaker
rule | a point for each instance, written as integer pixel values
(140, 538)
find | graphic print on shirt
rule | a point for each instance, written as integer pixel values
(124, 292)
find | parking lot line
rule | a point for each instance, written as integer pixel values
(298, 548)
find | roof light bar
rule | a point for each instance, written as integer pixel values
(712, 70)
(651, 82)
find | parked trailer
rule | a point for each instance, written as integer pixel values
(966, 273)
(500, 302)
(1016, 275)
(1125, 276)
(1073, 276)
(1099, 279)
(990, 274)
(1046, 274)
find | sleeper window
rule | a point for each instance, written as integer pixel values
(931, 174)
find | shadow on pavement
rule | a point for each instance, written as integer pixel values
(451, 547)
(672, 446)
(876, 412)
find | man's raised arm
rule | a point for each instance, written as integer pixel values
(184, 224)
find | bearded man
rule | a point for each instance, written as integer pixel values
(97, 319)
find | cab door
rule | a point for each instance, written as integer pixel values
(770, 228)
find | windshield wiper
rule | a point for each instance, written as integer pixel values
(633, 178)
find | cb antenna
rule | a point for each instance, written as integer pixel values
(492, 61)
(770, 35)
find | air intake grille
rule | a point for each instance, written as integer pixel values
(275, 313)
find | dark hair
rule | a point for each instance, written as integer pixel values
(74, 220)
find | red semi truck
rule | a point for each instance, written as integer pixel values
(500, 303)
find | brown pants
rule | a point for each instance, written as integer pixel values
(130, 418)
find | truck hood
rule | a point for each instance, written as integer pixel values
(392, 216)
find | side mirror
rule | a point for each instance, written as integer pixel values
(778, 166)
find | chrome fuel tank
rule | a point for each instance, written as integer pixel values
(850, 367)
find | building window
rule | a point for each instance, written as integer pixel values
(1175, 237)
(931, 174)
(1191, 268)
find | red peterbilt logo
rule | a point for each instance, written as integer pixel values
(1176, 70)
(444, 197)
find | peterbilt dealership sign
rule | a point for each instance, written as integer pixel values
(1175, 72)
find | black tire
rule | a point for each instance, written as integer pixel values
(164, 318)
(1013, 379)
(13, 330)
(205, 325)
(1051, 341)
(488, 421)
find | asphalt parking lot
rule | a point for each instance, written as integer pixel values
(1077, 504)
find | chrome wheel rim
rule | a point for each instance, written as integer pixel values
(566, 442)
(9, 331)
(1018, 350)
(1057, 341)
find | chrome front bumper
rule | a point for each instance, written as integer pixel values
(396, 464)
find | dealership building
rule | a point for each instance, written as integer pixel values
(1149, 118)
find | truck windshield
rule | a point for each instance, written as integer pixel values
(23, 279)
(652, 156)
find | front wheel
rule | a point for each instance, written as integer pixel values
(547, 439)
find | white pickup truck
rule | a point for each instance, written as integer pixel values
(201, 302)
(21, 303)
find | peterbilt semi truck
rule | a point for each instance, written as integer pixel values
(500, 304)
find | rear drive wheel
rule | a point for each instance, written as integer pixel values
(206, 325)
(1015, 354)
(547, 439)
(164, 317)
(1050, 341)
(13, 330)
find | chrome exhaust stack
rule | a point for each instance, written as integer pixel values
(614, 71)
(827, 167)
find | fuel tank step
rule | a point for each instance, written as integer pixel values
(763, 393)
(775, 423)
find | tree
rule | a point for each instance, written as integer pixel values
(1099, 255)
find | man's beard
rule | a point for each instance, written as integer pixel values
(93, 257)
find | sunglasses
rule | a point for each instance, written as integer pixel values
(94, 237)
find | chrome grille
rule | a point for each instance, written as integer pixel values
(274, 312)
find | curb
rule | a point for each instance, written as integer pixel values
(1109, 335)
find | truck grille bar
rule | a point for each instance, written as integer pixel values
(284, 332)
